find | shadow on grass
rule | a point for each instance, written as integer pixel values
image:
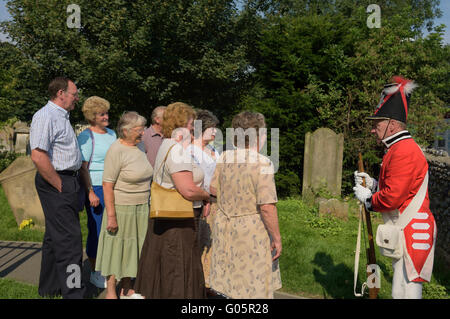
(336, 280)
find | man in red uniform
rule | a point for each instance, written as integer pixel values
(401, 195)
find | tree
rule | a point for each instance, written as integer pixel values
(18, 90)
(318, 64)
(137, 54)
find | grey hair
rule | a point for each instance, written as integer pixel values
(129, 120)
(157, 113)
(401, 124)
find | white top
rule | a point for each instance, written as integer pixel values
(178, 160)
(205, 161)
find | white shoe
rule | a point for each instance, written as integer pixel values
(97, 279)
(133, 296)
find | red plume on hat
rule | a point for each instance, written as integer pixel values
(394, 100)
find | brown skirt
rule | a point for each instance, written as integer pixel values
(170, 265)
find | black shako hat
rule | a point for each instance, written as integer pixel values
(394, 100)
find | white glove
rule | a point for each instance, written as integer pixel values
(371, 183)
(362, 193)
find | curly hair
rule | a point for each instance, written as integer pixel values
(92, 106)
(176, 115)
(247, 120)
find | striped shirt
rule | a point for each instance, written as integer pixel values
(52, 132)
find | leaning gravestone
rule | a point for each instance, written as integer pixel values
(17, 181)
(322, 166)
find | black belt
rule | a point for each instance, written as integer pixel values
(68, 173)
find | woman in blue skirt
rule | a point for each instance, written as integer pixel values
(94, 142)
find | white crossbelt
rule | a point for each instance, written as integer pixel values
(403, 220)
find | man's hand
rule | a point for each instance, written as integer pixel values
(371, 183)
(45, 168)
(362, 193)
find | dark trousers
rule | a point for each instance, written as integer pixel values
(62, 251)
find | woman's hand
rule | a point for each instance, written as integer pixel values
(94, 201)
(108, 191)
(276, 245)
(112, 226)
(206, 209)
(269, 215)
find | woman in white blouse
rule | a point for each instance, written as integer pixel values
(205, 155)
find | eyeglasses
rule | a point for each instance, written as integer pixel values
(73, 94)
(138, 130)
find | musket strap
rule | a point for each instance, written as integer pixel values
(357, 253)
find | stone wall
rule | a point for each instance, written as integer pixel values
(439, 193)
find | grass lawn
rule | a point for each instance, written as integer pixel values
(318, 255)
(10, 289)
(317, 260)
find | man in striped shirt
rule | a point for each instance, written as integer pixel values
(55, 152)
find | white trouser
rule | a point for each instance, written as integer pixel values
(402, 288)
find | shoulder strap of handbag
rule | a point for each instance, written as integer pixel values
(93, 146)
(414, 205)
(163, 163)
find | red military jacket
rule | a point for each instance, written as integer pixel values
(402, 172)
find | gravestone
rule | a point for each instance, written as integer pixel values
(6, 139)
(17, 181)
(322, 166)
(333, 207)
(22, 136)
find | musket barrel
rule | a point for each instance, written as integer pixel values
(373, 292)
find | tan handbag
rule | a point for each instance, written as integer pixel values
(166, 203)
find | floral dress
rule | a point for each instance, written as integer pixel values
(241, 261)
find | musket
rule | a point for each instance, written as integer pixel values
(371, 259)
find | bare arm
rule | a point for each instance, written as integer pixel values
(45, 168)
(86, 178)
(184, 183)
(270, 217)
(108, 193)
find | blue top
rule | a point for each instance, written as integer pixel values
(102, 144)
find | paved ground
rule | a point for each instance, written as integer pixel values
(21, 261)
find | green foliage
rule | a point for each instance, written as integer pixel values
(318, 65)
(6, 158)
(304, 64)
(137, 54)
(434, 291)
(327, 226)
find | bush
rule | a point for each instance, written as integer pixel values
(6, 158)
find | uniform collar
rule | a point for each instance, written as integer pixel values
(391, 140)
